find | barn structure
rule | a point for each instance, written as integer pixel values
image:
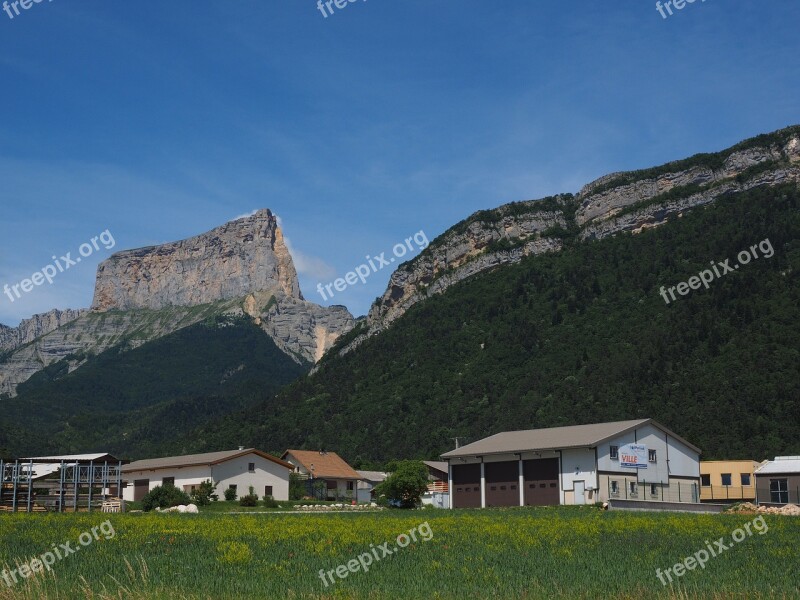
(639, 460)
(71, 483)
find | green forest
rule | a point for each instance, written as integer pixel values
(573, 337)
(137, 403)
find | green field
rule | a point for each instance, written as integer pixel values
(515, 553)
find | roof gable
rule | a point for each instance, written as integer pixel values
(322, 464)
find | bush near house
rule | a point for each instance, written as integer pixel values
(204, 494)
(164, 496)
(250, 499)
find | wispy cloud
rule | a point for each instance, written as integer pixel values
(306, 264)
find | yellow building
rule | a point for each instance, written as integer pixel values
(727, 480)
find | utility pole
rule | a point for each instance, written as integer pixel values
(456, 440)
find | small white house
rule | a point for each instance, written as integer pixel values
(239, 469)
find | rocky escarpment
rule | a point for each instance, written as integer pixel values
(28, 330)
(299, 328)
(629, 201)
(623, 202)
(141, 295)
(243, 256)
(486, 240)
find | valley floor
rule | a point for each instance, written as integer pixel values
(516, 553)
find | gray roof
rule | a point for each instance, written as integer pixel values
(73, 458)
(192, 460)
(440, 465)
(554, 438)
(372, 476)
(782, 465)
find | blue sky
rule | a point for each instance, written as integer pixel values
(161, 121)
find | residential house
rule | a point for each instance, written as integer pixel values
(238, 469)
(339, 477)
(438, 489)
(367, 483)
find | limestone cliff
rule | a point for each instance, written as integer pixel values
(631, 201)
(231, 261)
(242, 267)
(28, 330)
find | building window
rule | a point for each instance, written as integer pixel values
(705, 480)
(633, 488)
(268, 490)
(726, 479)
(654, 489)
(746, 480)
(613, 451)
(251, 467)
(779, 491)
(168, 481)
(651, 456)
(614, 487)
(350, 485)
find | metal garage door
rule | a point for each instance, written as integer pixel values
(140, 488)
(467, 486)
(541, 482)
(502, 483)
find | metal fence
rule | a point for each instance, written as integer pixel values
(629, 488)
(727, 492)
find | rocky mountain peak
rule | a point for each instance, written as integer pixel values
(241, 257)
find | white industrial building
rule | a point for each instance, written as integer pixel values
(639, 460)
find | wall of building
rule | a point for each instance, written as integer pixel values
(735, 491)
(184, 476)
(232, 472)
(267, 473)
(763, 488)
(578, 464)
(673, 457)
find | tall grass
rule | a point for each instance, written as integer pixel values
(517, 553)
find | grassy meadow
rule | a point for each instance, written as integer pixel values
(514, 553)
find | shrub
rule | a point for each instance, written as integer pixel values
(270, 502)
(406, 484)
(230, 494)
(204, 494)
(297, 487)
(250, 499)
(164, 496)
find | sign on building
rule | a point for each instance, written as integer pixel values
(633, 455)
